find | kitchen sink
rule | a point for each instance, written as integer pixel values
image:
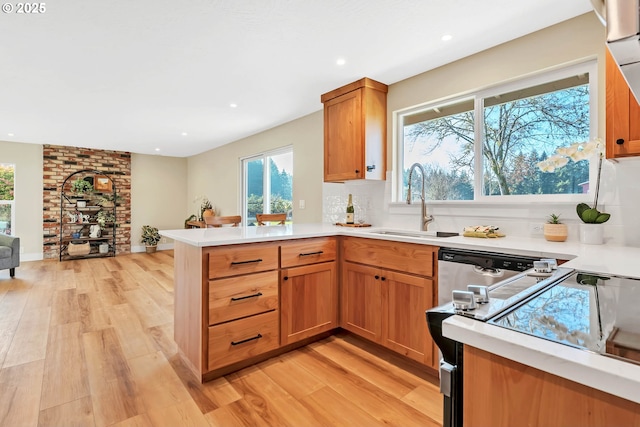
(418, 234)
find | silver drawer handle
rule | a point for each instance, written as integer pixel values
(259, 294)
(246, 340)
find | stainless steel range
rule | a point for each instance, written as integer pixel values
(593, 312)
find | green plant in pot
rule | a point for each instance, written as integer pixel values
(150, 237)
(554, 230)
(109, 200)
(80, 186)
(589, 215)
(105, 217)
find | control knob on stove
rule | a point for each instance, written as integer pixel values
(464, 300)
(481, 293)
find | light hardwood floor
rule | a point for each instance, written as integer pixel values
(89, 343)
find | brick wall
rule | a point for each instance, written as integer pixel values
(58, 163)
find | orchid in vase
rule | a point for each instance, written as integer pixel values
(577, 152)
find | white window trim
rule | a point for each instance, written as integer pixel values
(12, 203)
(586, 66)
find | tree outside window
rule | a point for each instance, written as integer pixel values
(268, 189)
(7, 190)
(517, 129)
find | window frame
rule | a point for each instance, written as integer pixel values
(589, 66)
(266, 179)
(11, 203)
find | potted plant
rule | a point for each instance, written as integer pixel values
(80, 186)
(554, 230)
(591, 229)
(109, 200)
(105, 217)
(206, 209)
(150, 237)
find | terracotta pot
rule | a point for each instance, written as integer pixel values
(555, 232)
(208, 212)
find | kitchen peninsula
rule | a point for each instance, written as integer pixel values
(191, 297)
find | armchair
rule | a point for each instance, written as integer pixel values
(9, 253)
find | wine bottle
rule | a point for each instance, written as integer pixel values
(350, 211)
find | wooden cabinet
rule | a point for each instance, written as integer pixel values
(308, 289)
(500, 392)
(406, 332)
(355, 131)
(242, 309)
(234, 302)
(361, 299)
(385, 301)
(623, 114)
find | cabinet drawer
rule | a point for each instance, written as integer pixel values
(227, 261)
(308, 251)
(408, 257)
(241, 339)
(242, 296)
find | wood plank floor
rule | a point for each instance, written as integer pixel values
(90, 343)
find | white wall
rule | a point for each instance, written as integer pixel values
(158, 196)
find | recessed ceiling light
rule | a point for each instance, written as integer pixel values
(183, 134)
(341, 61)
(157, 149)
(232, 105)
(447, 37)
(11, 134)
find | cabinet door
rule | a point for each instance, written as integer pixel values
(308, 301)
(362, 301)
(623, 115)
(405, 327)
(343, 137)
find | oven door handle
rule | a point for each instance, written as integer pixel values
(447, 375)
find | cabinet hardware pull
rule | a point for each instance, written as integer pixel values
(371, 168)
(285, 278)
(383, 278)
(619, 141)
(246, 340)
(312, 253)
(259, 294)
(376, 276)
(357, 170)
(246, 262)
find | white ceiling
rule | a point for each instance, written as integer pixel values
(134, 75)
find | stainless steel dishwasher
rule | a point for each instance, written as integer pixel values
(458, 268)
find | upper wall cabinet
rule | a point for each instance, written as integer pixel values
(355, 131)
(623, 115)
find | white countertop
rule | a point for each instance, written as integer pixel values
(618, 260)
(591, 369)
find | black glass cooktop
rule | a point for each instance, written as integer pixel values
(595, 312)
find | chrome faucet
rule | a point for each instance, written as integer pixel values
(426, 219)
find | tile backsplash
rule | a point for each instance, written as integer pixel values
(619, 196)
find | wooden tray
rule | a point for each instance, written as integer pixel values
(342, 224)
